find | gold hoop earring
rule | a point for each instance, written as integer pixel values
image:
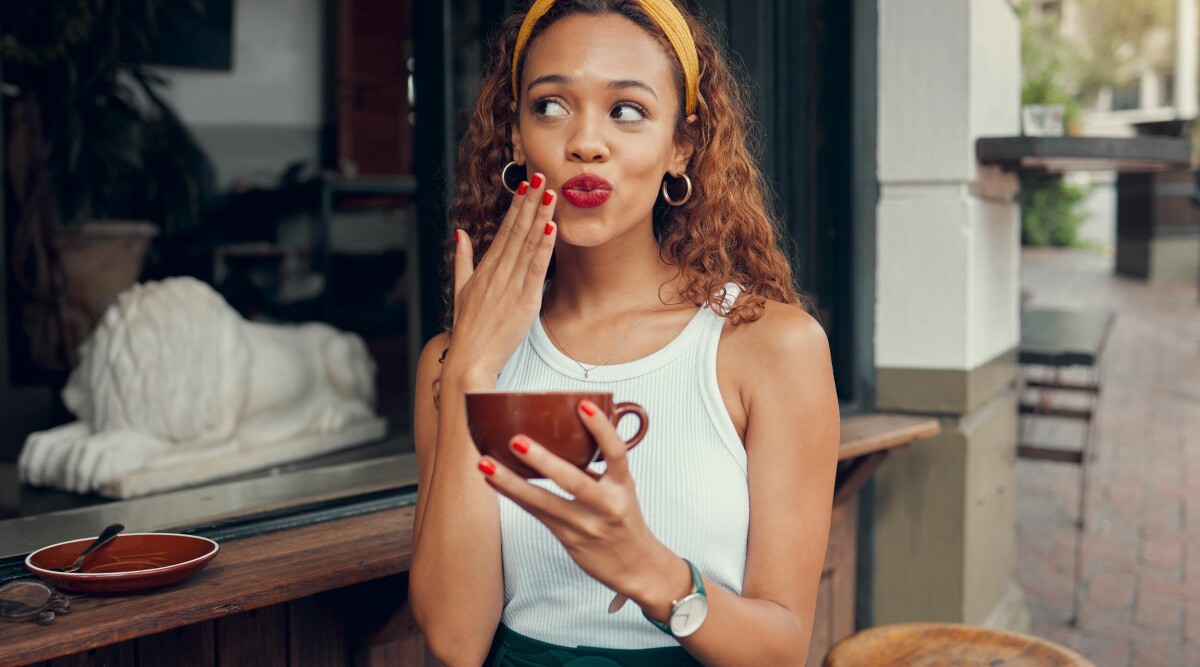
(504, 176)
(688, 195)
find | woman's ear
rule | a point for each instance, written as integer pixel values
(515, 124)
(685, 145)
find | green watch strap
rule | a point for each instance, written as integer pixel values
(697, 587)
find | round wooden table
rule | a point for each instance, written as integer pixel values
(937, 644)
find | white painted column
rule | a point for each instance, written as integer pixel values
(948, 245)
(948, 232)
(1185, 59)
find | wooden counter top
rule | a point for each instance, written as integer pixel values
(246, 574)
(268, 569)
(867, 434)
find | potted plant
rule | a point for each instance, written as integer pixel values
(98, 163)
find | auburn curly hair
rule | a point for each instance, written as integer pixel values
(724, 233)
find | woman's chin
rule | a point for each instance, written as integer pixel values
(588, 228)
(582, 229)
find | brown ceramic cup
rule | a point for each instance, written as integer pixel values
(549, 418)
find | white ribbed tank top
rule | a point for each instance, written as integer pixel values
(689, 471)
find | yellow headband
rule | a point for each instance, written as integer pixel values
(664, 13)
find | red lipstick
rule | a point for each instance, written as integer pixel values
(586, 191)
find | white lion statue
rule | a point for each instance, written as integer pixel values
(174, 388)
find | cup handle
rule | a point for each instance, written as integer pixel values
(630, 408)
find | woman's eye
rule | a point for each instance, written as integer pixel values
(549, 108)
(627, 112)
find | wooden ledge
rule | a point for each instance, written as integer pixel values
(283, 566)
(246, 574)
(867, 434)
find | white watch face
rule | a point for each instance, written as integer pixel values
(689, 614)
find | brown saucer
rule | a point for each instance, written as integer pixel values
(131, 562)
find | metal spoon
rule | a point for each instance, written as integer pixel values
(104, 538)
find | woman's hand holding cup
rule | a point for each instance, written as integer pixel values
(496, 302)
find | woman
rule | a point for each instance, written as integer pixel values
(626, 132)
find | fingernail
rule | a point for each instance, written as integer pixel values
(487, 467)
(521, 446)
(458, 236)
(523, 188)
(537, 181)
(587, 409)
(549, 228)
(547, 198)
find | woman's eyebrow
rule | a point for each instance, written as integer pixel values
(619, 84)
(630, 83)
(547, 78)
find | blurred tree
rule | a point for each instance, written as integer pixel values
(1046, 58)
(1051, 209)
(1070, 55)
(1051, 212)
(1119, 39)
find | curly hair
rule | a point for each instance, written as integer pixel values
(725, 233)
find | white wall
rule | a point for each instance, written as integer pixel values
(948, 231)
(276, 77)
(1187, 51)
(269, 110)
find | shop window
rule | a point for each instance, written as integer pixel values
(1127, 96)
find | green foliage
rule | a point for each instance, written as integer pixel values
(1050, 213)
(1110, 42)
(1119, 41)
(1045, 68)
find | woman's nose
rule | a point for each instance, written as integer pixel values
(588, 143)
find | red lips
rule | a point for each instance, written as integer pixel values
(586, 191)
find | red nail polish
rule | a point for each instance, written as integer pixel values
(547, 198)
(522, 188)
(521, 446)
(487, 467)
(458, 236)
(537, 181)
(549, 228)
(587, 409)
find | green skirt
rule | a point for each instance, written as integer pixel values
(510, 649)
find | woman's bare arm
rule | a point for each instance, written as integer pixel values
(792, 438)
(456, 582)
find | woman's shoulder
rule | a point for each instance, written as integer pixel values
(434, 347)
(784, 334)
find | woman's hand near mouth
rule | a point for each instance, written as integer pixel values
(496, 302)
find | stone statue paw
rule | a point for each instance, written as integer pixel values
(106, 456)
(73, 458)
(45, 453)
(337, 416)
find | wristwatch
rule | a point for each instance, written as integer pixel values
(688, 613)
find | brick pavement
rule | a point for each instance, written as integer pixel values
(1141, 586)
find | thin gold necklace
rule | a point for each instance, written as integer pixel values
(586, 369)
